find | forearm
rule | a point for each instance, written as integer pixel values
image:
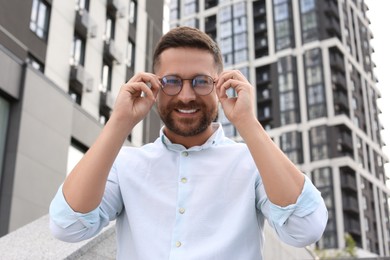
(83, 189)
(282, 180)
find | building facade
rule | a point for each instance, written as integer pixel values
(61, 66)
(310, 63)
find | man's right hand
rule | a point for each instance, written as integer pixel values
(136, 98)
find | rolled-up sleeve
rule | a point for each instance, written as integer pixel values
(299, 224)
(71, 226)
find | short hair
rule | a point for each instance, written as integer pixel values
(184, 36)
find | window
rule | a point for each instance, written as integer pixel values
(316, 95)
(133, 12)
(318, 141)
(82, 4)
(281, 12)
(75, 152)
(130, 52)
(35, 63)
(4, 115)
(287, 101)
(77, 52)
(39, 20)
(307, 5)
(106, 77)
(110, 28)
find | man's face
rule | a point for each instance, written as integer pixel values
(187, 113)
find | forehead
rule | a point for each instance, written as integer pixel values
(186, 62)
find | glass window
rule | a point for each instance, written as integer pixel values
(282, 43)
(39, 20)
(190, 8)
(77, 52)
(307, 5)
(106, 77)
(226, 29)
(133, 11)
(289, 117)
(239, 9)
(322, 177)
(82, 4)
(317, 111)
(35, 63)
(282, 29)
(313, 75)
(4, 116)
(281, 12)
(315, 95)
(241, 56)
(240, 41)
(225, 14)
(110, 28)
(318, 135)
(287, 101)
(239, 25)
(313, 57)
(75, 152)
(130, 52)
(226, 45)
(309, 21)
(285, 82)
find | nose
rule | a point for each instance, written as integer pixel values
(187, 93)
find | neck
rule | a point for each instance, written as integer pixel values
(190, 141)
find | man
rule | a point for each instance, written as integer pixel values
(193, 193)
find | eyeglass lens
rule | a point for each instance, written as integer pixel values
(172, 85)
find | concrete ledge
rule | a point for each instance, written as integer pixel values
(34, 241)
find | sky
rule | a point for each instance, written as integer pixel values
(379, 15)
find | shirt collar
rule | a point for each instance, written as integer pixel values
(214, 139)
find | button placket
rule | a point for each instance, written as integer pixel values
(182, 195)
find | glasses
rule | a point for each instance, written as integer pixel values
(201, 84)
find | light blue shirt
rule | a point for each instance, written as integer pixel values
(206, 202)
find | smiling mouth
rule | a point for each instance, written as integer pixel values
(187, 111)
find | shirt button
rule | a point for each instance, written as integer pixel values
(183, 180)
(178, 244)
(182, 210)
(185, 154)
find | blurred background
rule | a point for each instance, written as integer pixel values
(319, 68)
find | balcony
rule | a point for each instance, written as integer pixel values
(350, 204)
(84, 25)
(331, 8)
(340, 99)
(106, 102)
(111, 52)
(80, 80)
(333, 27)
(345, 141)
(348, 182)
(337, 61)
(113, 7)
(338, 80)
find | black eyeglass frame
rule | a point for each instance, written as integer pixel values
(193, 85)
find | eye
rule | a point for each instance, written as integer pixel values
(201, 80)
(171, 80)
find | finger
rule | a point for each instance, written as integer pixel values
(230, 74)
(229, 84)
(138, 89)
(151, 80)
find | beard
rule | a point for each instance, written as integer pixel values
(188, 126)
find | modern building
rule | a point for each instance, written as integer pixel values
(61, 66)
(310, 63)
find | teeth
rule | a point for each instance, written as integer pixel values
(187, 111)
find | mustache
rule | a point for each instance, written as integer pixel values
(182, 105)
